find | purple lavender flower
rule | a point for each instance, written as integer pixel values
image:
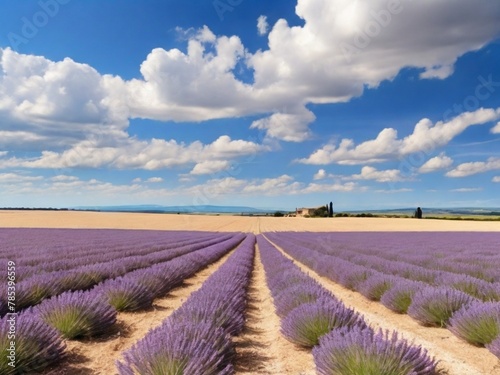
(78, 279)
(126, 295)
(78, 314)
(179, 348)
(376, 285)
(354, 276)
(362, 351)
(477, 288)
(297, 295)
(494, 347)
(305, 324)
(211, 311)
(288, 279)
(37, 344)
(435, 306)
(152, 279)
(398, 298)
(34, 290)
(478, 323)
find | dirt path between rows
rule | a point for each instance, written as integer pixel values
(456, 356)
(261, 349)
(98, 356)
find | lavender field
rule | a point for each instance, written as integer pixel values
(92, 301)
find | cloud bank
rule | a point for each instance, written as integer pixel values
(341, 48)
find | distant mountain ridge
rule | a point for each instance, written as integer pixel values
(213, 209)
(493, 211)
(175, 209)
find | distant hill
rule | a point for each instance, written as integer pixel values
(211, 209)
(430, 211)
(175, 209)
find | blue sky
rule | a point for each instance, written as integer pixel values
(369, 104)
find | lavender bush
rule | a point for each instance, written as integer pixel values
(494, 347)
(153, 280)
(37, 345)
(354, 277)
(399, 297)
(126, 295)
(376, 285)
(477, 288)
(225, 314)
(78, 314)
(83, 278)
(307, 323)
(435, 306)
(290, 279)
(362, 351)
(32, 292)
(179, 348)
(478, 323)
(297, 295)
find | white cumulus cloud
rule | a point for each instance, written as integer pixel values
(134, 154)
(466, 190)
(436, 163)
(281, 185)
(62, 177)
(426, 137)
(291, 126)
(472, 168)
(154, 179)
(40, 98)
(209, 167)
(391, 191)
(496, 129)
(17, 178)
(262, 25)
(321, 174)
(370, 173)
(341, 48)
(326, 188)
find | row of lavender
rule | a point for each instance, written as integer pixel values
(196, 338)
(45, 250)
(82, 314)
(342, 342)
(32, 290)
(47, 244)
(104, 256)
(423, 255)
(469, 307)
(361, 266)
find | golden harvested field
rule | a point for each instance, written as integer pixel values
(228, 223)
(261, 348)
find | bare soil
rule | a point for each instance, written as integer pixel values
(261, 348)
